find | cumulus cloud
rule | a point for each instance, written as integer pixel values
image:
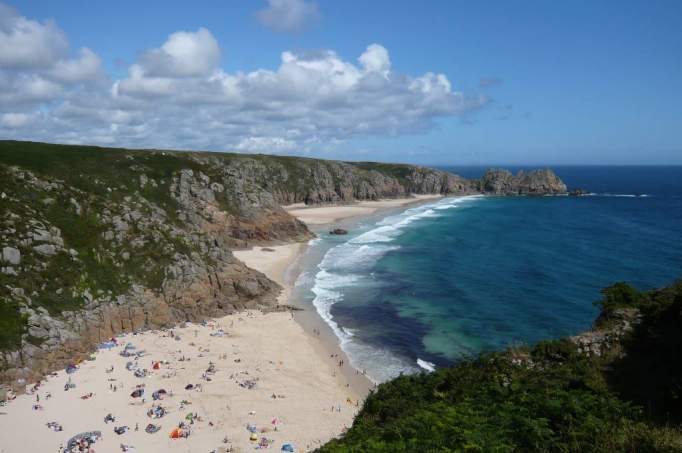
(28, 43)
(375, 59)
(176, 95)
(87, 66)
(35, 65)
(184, 54)
(289, 16)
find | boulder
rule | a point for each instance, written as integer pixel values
(338, 231)
(46, 249)
(11, 255)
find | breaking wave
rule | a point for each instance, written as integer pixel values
(428, 366)
(350, 264)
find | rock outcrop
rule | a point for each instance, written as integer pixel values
(96, 241)
(536, 182)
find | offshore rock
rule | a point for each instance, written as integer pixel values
(536, 182)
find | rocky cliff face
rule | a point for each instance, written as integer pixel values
(537, 182)
(95, 242)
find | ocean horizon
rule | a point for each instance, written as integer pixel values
(429, 285)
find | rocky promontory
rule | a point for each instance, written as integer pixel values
(99, 241)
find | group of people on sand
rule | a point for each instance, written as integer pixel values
(85, 443)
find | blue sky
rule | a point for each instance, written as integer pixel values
(533, 82)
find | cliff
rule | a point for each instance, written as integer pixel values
(98, 241)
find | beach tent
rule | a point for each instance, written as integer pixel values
(157, 365)
(253, 437)
(288, 448)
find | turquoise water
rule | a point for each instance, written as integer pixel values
(438, 282)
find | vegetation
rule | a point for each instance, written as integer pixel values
(80, 190)
(12, 325)
(549, 398)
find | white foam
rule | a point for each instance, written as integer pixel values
(428, 366)
(619, 195)
(305, 279)
(314, 241)
(343, 266)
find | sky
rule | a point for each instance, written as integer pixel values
(431, 82)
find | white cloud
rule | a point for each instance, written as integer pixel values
(375, 59)
(177, 96)
(184, 54)
(15, 120)
(27, 43)
(87, 66)
(35, 68)
(265, 145)
(288, 15)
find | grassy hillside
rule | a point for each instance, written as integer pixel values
(549, 398)
(89, 223)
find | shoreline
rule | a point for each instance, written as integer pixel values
(281, 264)
(345, 216)
(291, 358)
(326, 214)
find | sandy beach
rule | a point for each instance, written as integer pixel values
(321, 215)
(260, 371)
(267, 373)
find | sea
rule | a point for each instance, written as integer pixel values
(422, 287)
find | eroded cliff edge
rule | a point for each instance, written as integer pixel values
(98, 241)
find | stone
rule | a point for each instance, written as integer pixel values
(41, 235)
(338, 231)
(578, 192)
(11, 255)
(9, 270)
(46, 249)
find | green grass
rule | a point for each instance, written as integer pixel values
(102, 179)
(549, 398)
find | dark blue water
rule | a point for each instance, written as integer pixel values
(465, 275)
